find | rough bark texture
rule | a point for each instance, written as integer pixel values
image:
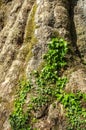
(26, 26)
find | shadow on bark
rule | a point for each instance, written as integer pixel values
(73, 32)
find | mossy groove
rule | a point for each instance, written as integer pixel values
(29, 39)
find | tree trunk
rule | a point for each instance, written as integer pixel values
(26, 27)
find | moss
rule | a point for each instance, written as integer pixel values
(30, 25)
(30, 40)
(32, 43)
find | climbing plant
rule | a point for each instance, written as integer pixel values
(50, 86)
(19, 119)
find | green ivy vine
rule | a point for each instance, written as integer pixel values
(50, 86)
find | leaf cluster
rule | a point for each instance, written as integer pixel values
(50, 86)
(19, 119)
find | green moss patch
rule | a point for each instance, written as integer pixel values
(30, 40)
